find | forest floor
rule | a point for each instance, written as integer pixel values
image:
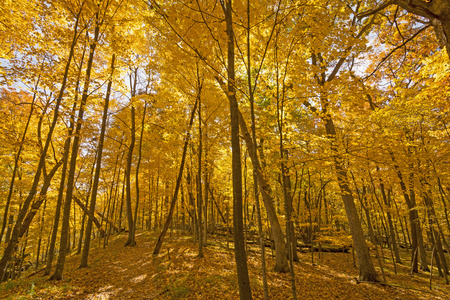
(119, 272)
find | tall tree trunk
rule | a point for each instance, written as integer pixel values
(420, 243)
(199, 174)
(239, 243)
(131, 238)
(137, 169)
(87, 235)
(255, 180)
(41, 229)
(435, 232)
(278, 236)
(366, 268)
(393, 235)
(85, 211)
(57, 275)
(156, 200)
(59, 200)
(177, 186)
(62, 183)
(413, 217)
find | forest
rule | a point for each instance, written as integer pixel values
(266, 149)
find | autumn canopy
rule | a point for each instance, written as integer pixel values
(280, 127)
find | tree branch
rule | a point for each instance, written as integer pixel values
(395, 49)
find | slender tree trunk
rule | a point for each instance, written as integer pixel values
(286, 181)
(150, 202)
(278, 236)
(41, 229)
(57, 275)
(87, 235)
(412, 217)
(239, 244)
(366, 268)
(62, 183)
(206, 217)
(156, 200)
(199, 174)
(60, 198)
(255, 180)
(432, 220)
(420, 244)
(137, 169)
(131, 238)
(393, 235)
(177, 186)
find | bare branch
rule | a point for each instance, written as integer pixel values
(395, 49)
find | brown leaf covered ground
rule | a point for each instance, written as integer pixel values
(119, 272)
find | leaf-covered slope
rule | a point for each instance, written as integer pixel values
(119, 272)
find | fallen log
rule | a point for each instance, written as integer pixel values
(94, 219)
(325, 248)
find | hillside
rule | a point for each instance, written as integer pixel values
(119, 272)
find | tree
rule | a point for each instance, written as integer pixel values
(437, 11)
(18, 227)
(84, 257)
(177, 186)
(239, 244)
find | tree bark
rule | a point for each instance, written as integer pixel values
(281, 264)
(60, 196)
(57, 275)
(131, 238)
(199, 173)
(438, 11)
(88, 231)
(137, 169)
(239, 243)
(366, 268)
